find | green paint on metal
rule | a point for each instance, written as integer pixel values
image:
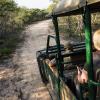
(59, 58)
(48, 42)
(94, 83)
(89, 57)
(47, 45)
(54, 79)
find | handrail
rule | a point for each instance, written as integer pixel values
(54, 49)
(74, 53)
(73, 62)
(94, 83)
(48, 41)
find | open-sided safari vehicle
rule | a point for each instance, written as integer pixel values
(51, 60)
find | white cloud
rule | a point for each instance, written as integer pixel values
(33, 3)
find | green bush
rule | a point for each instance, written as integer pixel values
(5, 51)
(13, 19)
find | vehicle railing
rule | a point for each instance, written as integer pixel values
(94, 83)
(50, 47)
(72, 53)
(73, 62)
(55, 47)
(48, 42)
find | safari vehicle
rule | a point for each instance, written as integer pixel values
(61, 76)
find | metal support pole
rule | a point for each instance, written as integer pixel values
(89, 56)
(59, 57)
(47, 45)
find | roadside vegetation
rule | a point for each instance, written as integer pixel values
(13, 20)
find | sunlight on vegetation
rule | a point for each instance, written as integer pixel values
(13, 19)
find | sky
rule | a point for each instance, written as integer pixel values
(41, 4)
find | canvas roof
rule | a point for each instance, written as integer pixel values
(71, 7)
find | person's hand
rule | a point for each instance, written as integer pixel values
(82, 75)
(51, 63)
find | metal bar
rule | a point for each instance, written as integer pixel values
(54, 51)
(52, 48)
(55, 48)
(94, 83)
(82, 51)
(82, 43)
(48, 41)
(74, 62)
(47, 45)
(51, 36)
(59, 57)
(79, 46)
(89, 56)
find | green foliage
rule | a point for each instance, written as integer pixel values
(9, 43)
(5, 51)
(50, 8)
(52, 5)
(55, 1)
(37, 15)
(12, 20)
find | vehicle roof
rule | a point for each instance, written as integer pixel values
(72, 7)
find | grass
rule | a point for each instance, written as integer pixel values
(8, 44)
(5, 51)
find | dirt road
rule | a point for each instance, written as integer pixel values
(19, 75)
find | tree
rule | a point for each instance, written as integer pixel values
(13, 18)
(52, 6)
(7, 10)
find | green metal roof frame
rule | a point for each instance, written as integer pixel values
(75, 7)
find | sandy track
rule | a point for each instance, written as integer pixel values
(19, 76)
